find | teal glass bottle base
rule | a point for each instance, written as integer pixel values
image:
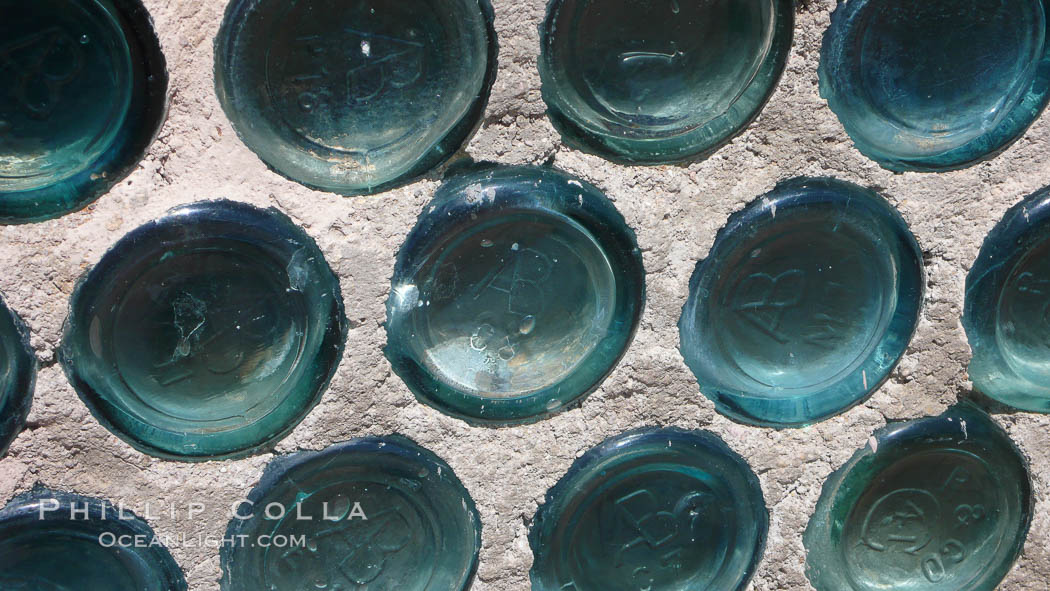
(938, 504)
(780, 328)
(375, 513)
(83, 89)
(1006, 314)
(936, 85)
(46, 546)
(659, 509)
(515, 294)
(661, 81)
(210, 332)
(17, 376)
(355, 97)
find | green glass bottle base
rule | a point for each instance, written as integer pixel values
(53, 541)
(935, 504)
(210, 332)
(374, 513)
(662, 80)
(515, 294)
(17, 376)
(355, 96)
(1006, 315)
(82, 95)
(659, 509)
(780, 329)
(936, 85)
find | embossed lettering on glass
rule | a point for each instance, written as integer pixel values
(939, 84)
(515, 294)
(82, 94)
(17, 376)
(53, 541)
(210, 332)
(355, 96)
(659, 509)
(657, 81)
(936, 504)
(804, 305)
(372, 513)
(1007, 310)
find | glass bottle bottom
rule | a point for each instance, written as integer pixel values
(66, 75)
(209, 334)
(514, 304)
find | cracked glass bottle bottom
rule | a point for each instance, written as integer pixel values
(935, 504)
(83, 94)
(805, 303)
(660, 509)
(514, 295)
(209, 332)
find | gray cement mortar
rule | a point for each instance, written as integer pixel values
(675, 210)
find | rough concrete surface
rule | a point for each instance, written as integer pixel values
(676, 211)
